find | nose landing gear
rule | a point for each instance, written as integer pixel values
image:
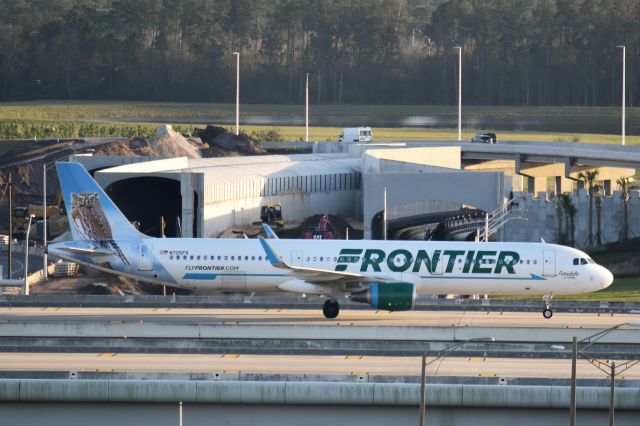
(547, 312)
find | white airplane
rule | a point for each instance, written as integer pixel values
(385, 274)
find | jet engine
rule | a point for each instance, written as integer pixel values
(388, 296)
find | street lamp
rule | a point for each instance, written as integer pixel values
(610, 371)
(459, 92)
(26, 258)
(440, 355)
(306, 130)
(624, 85)
(237, 92)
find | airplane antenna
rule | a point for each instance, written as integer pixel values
(543, 241)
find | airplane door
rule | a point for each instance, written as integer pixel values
(296, 258)
(145, 258)
(549, 263)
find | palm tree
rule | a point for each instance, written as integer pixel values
(597, 193)
(589, 177)
(623, 183)
(569, 214)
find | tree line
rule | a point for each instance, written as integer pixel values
(515, 52)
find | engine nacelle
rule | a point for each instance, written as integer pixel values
(388, 296)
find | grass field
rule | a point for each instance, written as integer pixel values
(44, 119)
(144, 111)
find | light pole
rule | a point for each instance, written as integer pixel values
(44, 220)
(237, 92)
(610, 370)
(26, 258)
(306, 131)
(459, 92)
(624, 86)
(440, 355)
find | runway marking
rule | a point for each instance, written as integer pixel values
(344, 323)
(232, 371)
(50, 308)
(230, 323)
(477, 359)
(487, 375)
(230, 356)
(360, 373)
(107, 355)
(354, 357)
(161, 309)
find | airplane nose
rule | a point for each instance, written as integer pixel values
(606, 277)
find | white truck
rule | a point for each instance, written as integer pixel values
(356, 134)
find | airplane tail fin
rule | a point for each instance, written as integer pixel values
(93, 217)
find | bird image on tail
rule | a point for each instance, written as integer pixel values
(91, 223)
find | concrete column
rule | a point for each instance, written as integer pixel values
(186, 191)
(531, 184)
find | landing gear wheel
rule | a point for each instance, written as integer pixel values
(547, 312)
(331, 308)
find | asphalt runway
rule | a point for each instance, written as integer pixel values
(326, 365)
(312, 317)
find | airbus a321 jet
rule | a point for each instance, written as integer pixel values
(384, 274)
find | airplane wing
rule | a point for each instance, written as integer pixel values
(269, 232)
(313, 275)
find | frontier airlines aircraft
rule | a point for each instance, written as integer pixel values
(384, 274)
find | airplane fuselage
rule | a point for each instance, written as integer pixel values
(433, 267)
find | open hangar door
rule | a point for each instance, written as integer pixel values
(147, 199)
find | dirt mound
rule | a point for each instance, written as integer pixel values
(166, 143)
(226, 144)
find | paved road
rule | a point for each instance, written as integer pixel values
(268, 364)
(302, 317)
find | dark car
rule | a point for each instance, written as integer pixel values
(485, 138)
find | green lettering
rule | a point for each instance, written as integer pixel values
(477, 266)
(468, 261)
(429, 263)
(513, 258)
(452, 258)
(406, 256)
(373, 258)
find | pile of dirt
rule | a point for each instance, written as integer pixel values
(166, 143)
(222, 143)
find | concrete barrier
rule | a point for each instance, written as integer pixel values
(312, 393)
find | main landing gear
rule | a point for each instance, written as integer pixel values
(547, 312)
(331, 308)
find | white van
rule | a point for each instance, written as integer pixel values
(356, 134)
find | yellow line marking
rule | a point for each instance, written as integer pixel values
(487, 375)
(230, 323)
(231, 371)
(230, 356)
(476, 359)
(109, 355)
(354, 357)
(360, 373)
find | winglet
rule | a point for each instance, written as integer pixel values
(271, 255)
(269, 232)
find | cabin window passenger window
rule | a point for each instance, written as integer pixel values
(226, 258)
(321, 258)
(191, 257)
(170, 257)
(535, 262)
(253, 258)
(527, 261)
(198, 258)
(246, 258)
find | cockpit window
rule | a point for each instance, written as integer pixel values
(576, 261)
(583, 261)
